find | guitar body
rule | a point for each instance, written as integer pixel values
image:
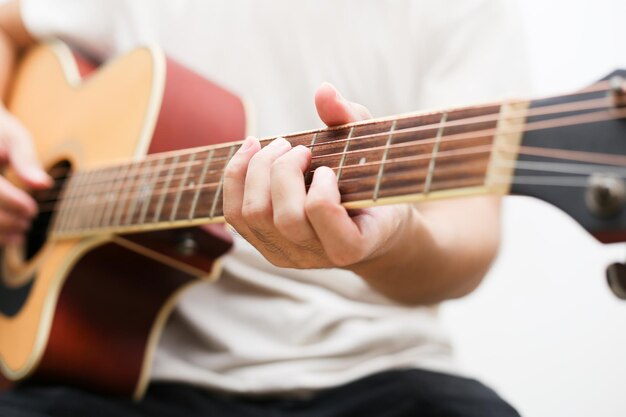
(89, 311)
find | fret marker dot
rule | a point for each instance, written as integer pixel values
(362, 161)
(144, 191)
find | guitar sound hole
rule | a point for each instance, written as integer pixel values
(47, 202)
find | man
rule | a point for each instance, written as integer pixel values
(281, 333)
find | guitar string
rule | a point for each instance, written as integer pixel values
(476, 180)
(553, 153)
(484, 149)
(458, 137)
(581, 105)
(554, 181)
(598, 87)
(487, 148)
(417, 142)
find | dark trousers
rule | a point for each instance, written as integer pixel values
(414, 393)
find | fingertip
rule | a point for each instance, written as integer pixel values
(279, 143)
(332, 107)
(326, 91)
(324, 173)
(325, 95)
(40, 179)
(302, 149)
(34, 177)
(249, 142)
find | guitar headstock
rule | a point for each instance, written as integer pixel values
(573, 155)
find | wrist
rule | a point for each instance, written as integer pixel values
(411, 234)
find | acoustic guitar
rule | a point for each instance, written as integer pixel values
(137, 150)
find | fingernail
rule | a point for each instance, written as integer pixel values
(279, 143)
(324, 172)
(301, 148)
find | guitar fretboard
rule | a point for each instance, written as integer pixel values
(408, 158)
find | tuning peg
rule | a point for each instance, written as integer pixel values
(617, 90)
(617, 85)
(616, 278)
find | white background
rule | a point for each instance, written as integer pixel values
(543, 329)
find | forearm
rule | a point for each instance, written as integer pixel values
(443, 251)
(7, 60)
(13, 38)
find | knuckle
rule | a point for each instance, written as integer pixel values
(280, 165)
(256, 213)
(231, 216)
(259, 159)
(289, 222)
(316, 204)
(233, 169)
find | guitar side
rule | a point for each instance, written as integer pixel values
(90, 311)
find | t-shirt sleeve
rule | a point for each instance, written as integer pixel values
(98, 28)
(471, 52)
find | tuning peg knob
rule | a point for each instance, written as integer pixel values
(616, 277)
(617, 84)
(606, 195)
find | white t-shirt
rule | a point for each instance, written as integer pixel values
(260, 328)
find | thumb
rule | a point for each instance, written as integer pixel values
(335, 110)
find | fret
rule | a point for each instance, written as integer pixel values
(181, 186)
(411, 181)
(343, 156)
(384, 159)
(221, 183)
(165, 189)
(308, 176)
(153, 181)
(127, 189)
(89, 195)
(67, 201)
(112, 195)
(506, 141)
(97, 184)
(139, 192)
(433, 158)
(380, 161)
(200, 184)
(73, 203)
(80, 203)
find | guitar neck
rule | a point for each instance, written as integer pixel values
(407, 158)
